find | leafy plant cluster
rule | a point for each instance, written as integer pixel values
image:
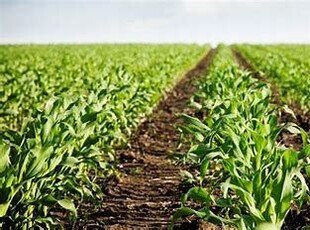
(31, 74)
(296, 52)
(55, 149)
(246, 178)
(287, 67)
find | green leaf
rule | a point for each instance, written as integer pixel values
(224, 202)
(50, 104)
(4, 156)
(307, 169)
(68, 205)
(304, 136)
(181, 212)
(200, 150)
(195, 122)
(199, 194)
(204, 168)
(47, 129)
(290, 159)
(71, 161)
(89, 117)
(4, 208)
(267, 226)
(185, 211)
(305, 152)
(39, 161)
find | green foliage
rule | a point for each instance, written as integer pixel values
(63, 111)
(244, 173)
(32, 74)
(287, 66)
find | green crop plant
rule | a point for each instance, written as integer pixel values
(63, 111)
(31, 74)
(298, 53)
(246, 178)
(48, 161)
(290, 73)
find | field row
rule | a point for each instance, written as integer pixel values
(53, 151)
(65, 109)
(287, 67)
(246, 179)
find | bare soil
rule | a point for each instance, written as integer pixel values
(296, 219)
(149, 188)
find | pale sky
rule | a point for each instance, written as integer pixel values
(209, 21)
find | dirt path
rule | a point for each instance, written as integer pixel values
(149, 188)
(295, 219)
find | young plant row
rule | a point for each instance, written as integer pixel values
(245, 178)
(298, 52)
(32, 74)
(290, 74)
(63, 147)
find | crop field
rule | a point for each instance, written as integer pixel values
(131, 136)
